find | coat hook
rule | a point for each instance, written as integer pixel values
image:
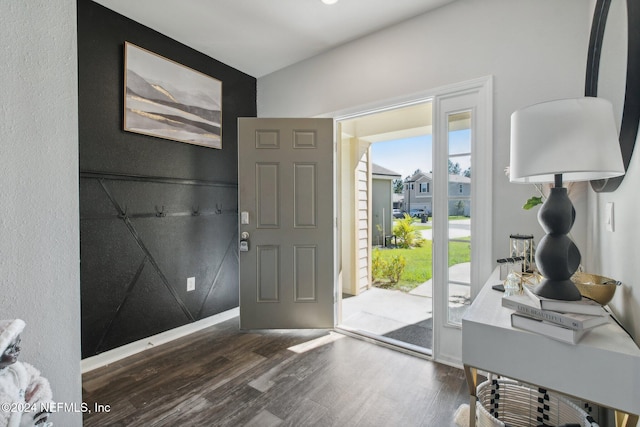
(123, 214)
(218, 209)
(195, 211)
(160, 213)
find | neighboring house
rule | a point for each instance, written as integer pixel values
(459, 195)
(418, 193)
(382, 202)
(398, 200)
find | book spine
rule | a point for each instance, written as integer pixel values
(549, 316)
(555, 332)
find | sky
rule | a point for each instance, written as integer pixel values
(404, 156)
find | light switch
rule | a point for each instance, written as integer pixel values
(608, 217)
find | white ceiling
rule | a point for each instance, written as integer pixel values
(259, 37)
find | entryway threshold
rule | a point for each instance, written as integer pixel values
(413, 350)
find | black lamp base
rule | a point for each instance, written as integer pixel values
(558, 289)
(557, 257)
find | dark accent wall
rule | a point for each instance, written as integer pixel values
(153, 212)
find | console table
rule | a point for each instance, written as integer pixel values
(603, 368)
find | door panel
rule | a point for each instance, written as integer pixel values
(286, 188)
(305, 273)
(268, 266)
(305, 195)
(462, 210)
(267, 193)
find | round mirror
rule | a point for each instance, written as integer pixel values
(612, 72)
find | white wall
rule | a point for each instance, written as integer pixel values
(615, 254)
(39, 245)
(535, 49)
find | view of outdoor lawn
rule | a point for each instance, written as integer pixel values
(408, 264)
(395, 294)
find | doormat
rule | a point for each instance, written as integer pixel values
(419, 334)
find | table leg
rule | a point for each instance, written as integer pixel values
(471, 375)
(626, 420)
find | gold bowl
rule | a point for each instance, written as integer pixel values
(597, 288)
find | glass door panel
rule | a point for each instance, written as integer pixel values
(459, 138)
(462, 209)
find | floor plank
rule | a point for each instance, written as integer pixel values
(222, 376)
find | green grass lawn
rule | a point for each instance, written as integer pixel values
(419, 262)
(419, 226)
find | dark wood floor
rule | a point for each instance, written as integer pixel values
(221, 376)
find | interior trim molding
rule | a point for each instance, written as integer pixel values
(119, 353)
(155, 179)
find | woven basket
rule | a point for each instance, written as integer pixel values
(503, 402)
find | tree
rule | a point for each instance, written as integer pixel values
(454, 168)
(467, 172)
(398, 186)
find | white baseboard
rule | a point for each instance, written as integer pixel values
(111, 356)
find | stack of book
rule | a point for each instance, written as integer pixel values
(565, 321)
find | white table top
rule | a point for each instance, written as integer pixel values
(603, 368)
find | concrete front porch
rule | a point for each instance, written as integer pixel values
(394, 315)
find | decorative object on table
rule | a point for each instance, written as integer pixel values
(530, 279)
(582, 306)
(597, 288)
(512, 283)
(521, 245)
(509, 264)
(168, 100)
(523, 305)
(513, 275)
(572, 139)
(503, 402)
(21, 386)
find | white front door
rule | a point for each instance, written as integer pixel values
(287, 226)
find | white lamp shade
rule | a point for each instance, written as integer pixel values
(573, 137)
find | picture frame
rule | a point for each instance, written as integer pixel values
(168, 100)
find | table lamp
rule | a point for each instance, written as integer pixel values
(571, 140)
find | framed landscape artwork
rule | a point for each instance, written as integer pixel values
(168, 100)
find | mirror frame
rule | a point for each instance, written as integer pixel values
(631, 110)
